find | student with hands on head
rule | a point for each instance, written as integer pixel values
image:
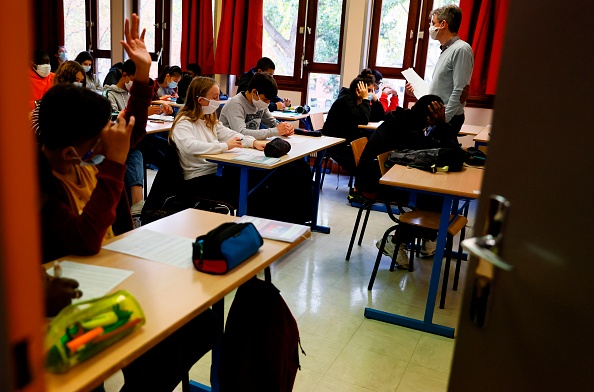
(247, 111)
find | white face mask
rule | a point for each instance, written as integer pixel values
(433, 32)
(87, 68)
(259, 104)
(212, 106)
(43, 70)
(129, 85)
(78, 84)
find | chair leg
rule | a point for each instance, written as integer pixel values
(185, 382)
(364, 224)
(396, 248)
(419, 241)
(355, 228)
(411, 261)
(327, 158)
(458, 260)
(379, 257)
(446, 270)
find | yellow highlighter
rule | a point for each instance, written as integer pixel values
(100, 321)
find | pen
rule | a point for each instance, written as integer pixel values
(57, 269)
(158, 121)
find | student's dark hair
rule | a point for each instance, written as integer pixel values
(129, 67)
(451, 13)
(66, 73)
(39, 55)
(377, 76)
(264, 64)
(264, 84)
(87, 111)
(173, 70)
(84, 56)
(420, 109)
(367, 80)
(195, 68)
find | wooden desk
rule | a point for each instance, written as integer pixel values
(371, 125)
(453, 187)
(169, 296)
(172, 104)
(470, 129)
(483, 138)
(301, 146)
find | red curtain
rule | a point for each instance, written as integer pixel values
(48, 25)
(197, 35)
(239, 44)
(483, 27)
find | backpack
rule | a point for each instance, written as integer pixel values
(432, 160)
(260, 349)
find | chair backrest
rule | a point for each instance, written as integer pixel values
(358, 146)
(381, 160)
(317, 121)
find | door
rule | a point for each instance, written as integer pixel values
(539, 330)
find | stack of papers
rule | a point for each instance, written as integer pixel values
(160, 117)
(421, 86)
(256, 159)
(276, 230)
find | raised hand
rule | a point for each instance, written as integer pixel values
(136, 49)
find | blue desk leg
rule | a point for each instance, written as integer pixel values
(427, 324)
(243, 191)
(316, 194)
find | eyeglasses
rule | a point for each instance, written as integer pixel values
(90, 152)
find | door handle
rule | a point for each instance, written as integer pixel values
(488, 249)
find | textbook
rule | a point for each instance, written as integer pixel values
(256, 159)
(275, 230)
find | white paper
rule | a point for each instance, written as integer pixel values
(276, 230)
(94, 281)
(163, 248)
(160, 117)
(421, 87)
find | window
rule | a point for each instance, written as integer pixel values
(304, 39)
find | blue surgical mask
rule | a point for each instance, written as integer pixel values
(63, 56)
(370, 96)
(93, 161)
(172, 84)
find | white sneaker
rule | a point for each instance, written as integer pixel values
(402, 258)
(136, 209)
(389, 248)
(428, 248)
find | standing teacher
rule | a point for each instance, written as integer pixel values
(451, 77)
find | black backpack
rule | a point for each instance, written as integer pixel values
(431, 160)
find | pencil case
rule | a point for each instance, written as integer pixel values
(225, 247)
(83, 329)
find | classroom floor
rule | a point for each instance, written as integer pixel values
(327, 295)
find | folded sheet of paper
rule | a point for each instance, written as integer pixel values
(276, 230)
(94, 281)
(163, 248)
(421, 87)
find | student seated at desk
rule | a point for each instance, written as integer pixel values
(40, 76)
(386, 90)
(351, 109)
(82, 205)
(166, 86)
(247, 110)
(119, 94)
(91, 80)
(263, 65)
(197, 130)
(192, 70)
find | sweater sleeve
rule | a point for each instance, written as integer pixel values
(462, 66)
(191, 139)
(138, 104)
(65, 231)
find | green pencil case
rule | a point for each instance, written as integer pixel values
(83, 329)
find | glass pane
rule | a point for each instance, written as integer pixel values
(175, 31)
(397, 86)
(74, 28)
(392, 33)
(103, 66)
(104, 25)
(433, 50)
(280, 32)
(323, 90)
(328, 31)
(146, 11)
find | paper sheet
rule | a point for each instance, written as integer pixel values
(94, 281)
(160, 117)
(276, 230)
(421, 87)
(163, 248)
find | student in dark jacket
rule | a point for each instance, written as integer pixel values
(263, 65)
(404, 129)
(351, 109)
